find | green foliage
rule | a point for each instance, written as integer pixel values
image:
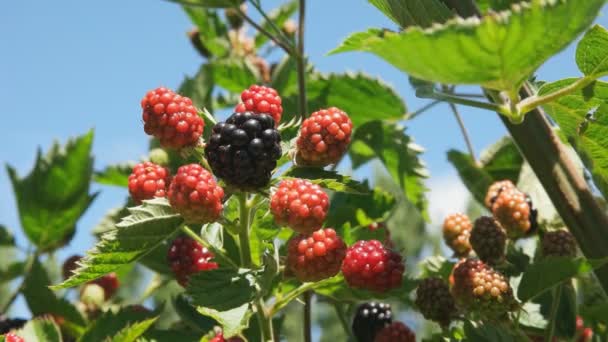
(199, 88)
(497, 5)
(591, 52)
(498, 51)
(117, 175)
(233, 321)
(222, 289)
(234, 75)
(278, 16)
(209, 3)
(488, 332)
(330, 180)
(337, 289)
(136, 235)
(110, 323)
(132, 332)
(53, 196)
(374, 207)
(40, 329)
(423, 13)
(211, 30)
(191, 317)
(6, 236)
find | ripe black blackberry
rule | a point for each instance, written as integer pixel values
(434, 300)
(244, 150)
(488, 240)
(8, 324)
(369, 319)
(558, 243)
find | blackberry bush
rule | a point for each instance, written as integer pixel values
(244, 150)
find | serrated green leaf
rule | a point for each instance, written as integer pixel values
(499, 51)
(474, 178)
(475, 331)
(111, 323)
(330, 180)
(11, 271)
(337, 288)
(233, 321)
(388, 143)
(117, 175)
(597, 312)
(284, 76)
(156, 335)
(136, 235)
(6, 236)
(111, 218)
(191, 316)
(551, 271)
(405, 13)
(234, 75)
(209, 3)
(132, 332)
(278, 16)
(41, 300)
(55, 194)
(211, 30)
(588, 133)
(40, 329)
(436, 266)
(374, 207)
(592, 52)
(222, 289)
(496, 5)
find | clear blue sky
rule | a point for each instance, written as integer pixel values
(69, 66)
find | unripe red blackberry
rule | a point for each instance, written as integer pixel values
(495, 189)
(171, 118)
(369, 319)
(479, 288)
(371, 266)
(558, 243)
(316, 256)
(261, 100)
(186, 256)
(512, 210)
(488, 240)
(324, 137)
(10, 337)
(456, 231)
(395, 332)
(195, 195)
(147, 181)
(434, 300)
(109, 283)
(244, 150)
(70, 265)
(299, 204)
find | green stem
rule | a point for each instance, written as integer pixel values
(557, 295)
(286, 48)
(281, 303)
(533, 102)
(412, 115)
(437, 95)
(307, 316)
(264, 320)
(301, 61)
(220, 255)
(271, 22)
(28, 267)
(463, 129)
(343, 321)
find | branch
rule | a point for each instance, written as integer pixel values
(263, 31)
(301, 62)
(463, 129)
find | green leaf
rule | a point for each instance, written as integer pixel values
(156, 335)
(337, 288)
(222, 289)
(233, 321)
(109, 221)
(474, 178)
(40, 329)
(117, 175)
(551, 271)
(132, 332)
(136, 235)
(497, 51)
(11, 271)
(55, 194)
(211, 30)
(111, 323)
(496, 5)
(234, 75)
(374, 207)
(191, 316)
(566, 312)
(436, 266)
(6, 236)
(596, 312)
(407, 13)
(209, 3)
(330, 180)
(388, 143)
(278, 16)
(592, 52)
(199, 88)
(588, 132)
(487, 332)
(41, 300)
(284, 76)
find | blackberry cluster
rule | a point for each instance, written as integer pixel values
(261, 100)
(299, 204)
(434, 300)
(147, 181)
(479, 288)
(315, 257)
(395, 332)
(8, 324)
(495, 189)
(512, 209)
(244, 150)
(369, 319)
(558, 243)
(324, 137)
(488, 240)
(369, 265)
(186, 256)
(456, 231)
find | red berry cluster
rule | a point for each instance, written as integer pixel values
(370, 265)
(395, 332)
(300, 205)
(495, 189)
(147, 181)
(512, 210)
(324, 137)
(261, 100)
(195, 194)
(186, 256)
(316, 256)
(171, 118)
(10, 337)
(456, 231)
